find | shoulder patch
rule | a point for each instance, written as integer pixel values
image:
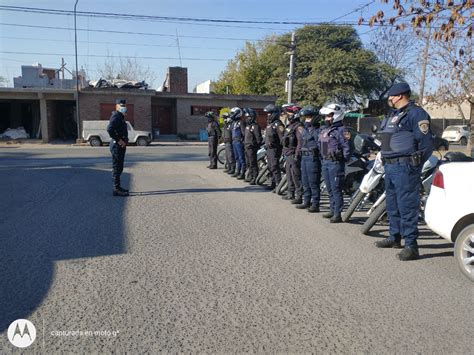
(424, 126)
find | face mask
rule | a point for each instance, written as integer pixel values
(307, 124)
(123, 109)
(391, 103)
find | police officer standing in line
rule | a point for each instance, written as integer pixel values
(229, 151)
(213, 132)
(273, 137)
(310, 160)
(407, 143)
(335, 151)
(238, 129)
(252, 142)
(291, 139)
(118, 131)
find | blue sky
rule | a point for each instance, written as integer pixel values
(214, 52)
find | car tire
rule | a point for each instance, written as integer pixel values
(221, 155)
(374, 217)
(464, 251)
(142, 142)
(95, 142)
(463, 141)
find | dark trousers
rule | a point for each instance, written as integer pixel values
(118, 156)
(251, 158)
(333, 173)
(212, 144)
(311, 179)
(239, 155)
(293, 173)
(273, 159)
(229, 156)
(402, 185)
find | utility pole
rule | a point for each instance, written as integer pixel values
(292, 67)
(179, 48)
(424, 64)
(78, 116)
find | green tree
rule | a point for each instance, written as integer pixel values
(331, 64)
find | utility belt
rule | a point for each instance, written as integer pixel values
(334, 156)
(236, 139)
(414, 159)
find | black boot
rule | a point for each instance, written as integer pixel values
(408, 253)
(241, 176)
(236, 173)
(388, 243)
(328, 215)
(270, 187)
(231, 171)
(297, 201)
(288, 197)
(117, 192)
(253, 181)
(313, 209)
(303, 206)
(336, 219)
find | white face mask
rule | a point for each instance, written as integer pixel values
(123, 109)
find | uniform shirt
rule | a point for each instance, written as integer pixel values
(228, 133)
(213, 129)
(238, 129)
(335, 140)
(292, 138)
(117, 127)
(274, 134)
(310, 139)
(406, 131)
(253, 135)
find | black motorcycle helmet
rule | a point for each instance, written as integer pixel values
(211, 116)
(273, 113)
(250, 115)
(294, 118)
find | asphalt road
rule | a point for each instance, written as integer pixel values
(195, 261)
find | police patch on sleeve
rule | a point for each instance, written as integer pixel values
(424, 126)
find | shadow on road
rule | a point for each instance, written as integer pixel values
(50, 215)
(196, 190)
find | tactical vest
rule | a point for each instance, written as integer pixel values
(289, 139)
(228, 133)
(271, 133)
(249, 137)
(211, 129)
(310, 139)
(397, 139)
(328, 140)
(236, 131)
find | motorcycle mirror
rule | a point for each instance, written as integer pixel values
(375, 128)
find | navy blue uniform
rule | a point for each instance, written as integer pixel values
(335, 151)
(291, 139)
(252, 141)
(273, 136)
(213, 132)
(310, 165)
(407, 143)
(117, 130)
(229, 151)
(238, 129)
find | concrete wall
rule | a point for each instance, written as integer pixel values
(190, 125)
(447, 111)
(52, 118)
(90, 107)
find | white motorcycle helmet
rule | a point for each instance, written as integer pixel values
(336, 109)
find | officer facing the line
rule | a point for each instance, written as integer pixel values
(335, 151)
(407, 143)
(273, 136)
(213, 132)
(310, 161)
(291, 140)
(118, 131)
(252, 141)
(238, 129)
(229, 151)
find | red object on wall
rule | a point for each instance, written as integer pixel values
(107, 109)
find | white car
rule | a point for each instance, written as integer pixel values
(95, 132)
(450, 211)
(456, 134)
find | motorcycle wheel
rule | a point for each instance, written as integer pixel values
(262, 175)
(221, 155)
(282, 186)
(374, 217)
(353, 206)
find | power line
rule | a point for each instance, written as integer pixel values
(360, 8)
(115, 56)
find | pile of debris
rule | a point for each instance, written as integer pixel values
(14, 133)
(118, 83)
